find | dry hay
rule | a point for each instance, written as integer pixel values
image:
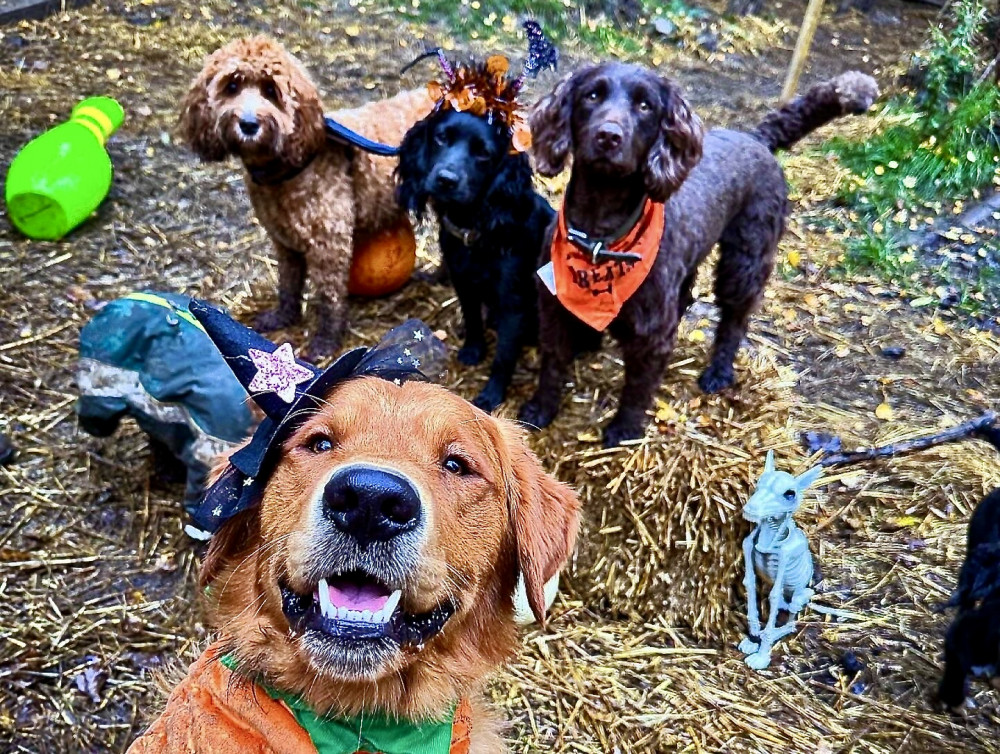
(662, 526)
(96, 575)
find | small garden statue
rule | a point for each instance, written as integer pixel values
(778, 552)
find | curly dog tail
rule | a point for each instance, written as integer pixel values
(848, 93)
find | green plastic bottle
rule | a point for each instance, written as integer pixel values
(60, 177)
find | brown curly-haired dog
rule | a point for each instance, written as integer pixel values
(633, 138)
(255, 101)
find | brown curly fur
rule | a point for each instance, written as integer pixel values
(631, 135)
(333, 194)
(505, 515)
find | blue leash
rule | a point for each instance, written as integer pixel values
(341, 134)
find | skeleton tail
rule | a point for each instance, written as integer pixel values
(850, 93)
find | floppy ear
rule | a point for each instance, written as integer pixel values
(804, 480)
(308, 132)
(509, 196)
(198, 123)
(546, 517)
(678, 147)
(551, 125)
(411, 194)
(239, 535)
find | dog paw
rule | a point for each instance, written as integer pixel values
(472, 353)
(276, 319)
(488, 399)
(717, 378)
(749, 645)
(320, 347)
(618, 432)
(536, 415)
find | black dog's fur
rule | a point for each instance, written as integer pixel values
(973, 640)
(632, 136)
(463, 165)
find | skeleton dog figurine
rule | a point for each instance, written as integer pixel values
(778, 552)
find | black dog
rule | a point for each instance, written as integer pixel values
(492, 227)
(972, 645)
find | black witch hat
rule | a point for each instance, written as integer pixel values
(289, 391)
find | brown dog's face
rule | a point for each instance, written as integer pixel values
(253, 100)
(389, 535)
(617, 121)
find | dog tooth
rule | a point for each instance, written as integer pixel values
(390, 604)
(378, 617)
(324, 599)
(366, 616)
(354, 615)
(342, 612)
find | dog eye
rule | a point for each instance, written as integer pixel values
(440, 138)
(320, 444)
(644, 106)
(455, 465)
(232, 86)
(270, 91)
(594, 95)
(789, 494)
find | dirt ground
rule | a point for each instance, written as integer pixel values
(96, 574)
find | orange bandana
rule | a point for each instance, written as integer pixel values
(596, 291)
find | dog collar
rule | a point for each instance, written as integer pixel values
(467, 236)
(276, 172)
(594, 280)
(369, 733)
(599, 249)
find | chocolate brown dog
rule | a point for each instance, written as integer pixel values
(636, 143)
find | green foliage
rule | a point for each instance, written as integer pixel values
(940, 146)
(587, 21)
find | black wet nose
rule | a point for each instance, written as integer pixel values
(609, 136)
(371, 504)
(249, 127)
(446, 180)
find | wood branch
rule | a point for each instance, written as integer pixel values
(978, 428)
(802, 45)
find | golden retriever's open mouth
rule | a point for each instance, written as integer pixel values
(356, 608)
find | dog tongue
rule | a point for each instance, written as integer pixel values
(356, 595)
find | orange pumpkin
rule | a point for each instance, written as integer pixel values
(383, 262)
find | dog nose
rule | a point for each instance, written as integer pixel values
(446, 180)
(371, 504)
(609, 136)
(249, 127)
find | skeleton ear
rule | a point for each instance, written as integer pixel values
(806, 478)
(769, 462)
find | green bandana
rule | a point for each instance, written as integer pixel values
(372, 733)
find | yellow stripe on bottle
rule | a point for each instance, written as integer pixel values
(97, 115)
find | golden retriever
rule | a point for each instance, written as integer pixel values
(377, 574)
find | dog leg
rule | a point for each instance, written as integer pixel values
(291, 280)
(510, 338)
(644, 371)
(473, 351)
(720, 373)
(330, 267)
(556, 345)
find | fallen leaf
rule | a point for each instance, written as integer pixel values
(884, 412)
(794, 257)
(696, 336)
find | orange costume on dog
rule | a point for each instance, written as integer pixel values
(216, 711)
